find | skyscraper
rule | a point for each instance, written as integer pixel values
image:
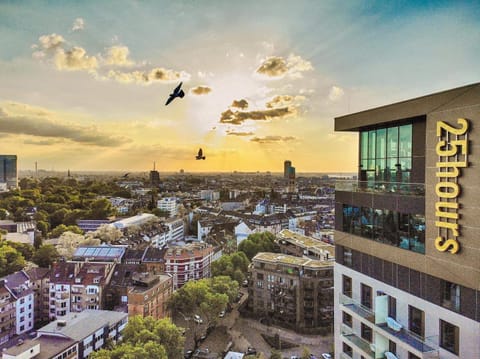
(154, 177)
(8, 170)
(407, 272)
(289, 176)
(286, 167)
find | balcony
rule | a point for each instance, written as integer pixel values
(425, 346)
(357, 342)
(357, 308)
(401, 188)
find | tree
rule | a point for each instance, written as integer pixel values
(68, 242)
(3, 213)
(275, 354)
(258, 242)
(106, 233)
(11, 260)
(45, 256)
(25, 249)
(100, 209)
(147, 338)
(59, 230)
(234, 265)
(43, 227)
(305, 353)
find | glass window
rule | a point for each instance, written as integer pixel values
(392, 307)
(347, 319)
(450, 295)
(364, 145)
(381, 143)
(371, 144)
(347, 286)
(392, 142)
(347, 257)
(412, 356)
(392, 347)
(405, 141)
(416, 321)
(347, 349)
(366, 333)
(366, 292)
(449, 337)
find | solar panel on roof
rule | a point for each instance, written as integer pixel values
(89, 251)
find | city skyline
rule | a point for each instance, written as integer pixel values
(84, 86)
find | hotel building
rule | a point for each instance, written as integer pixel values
(407, 272)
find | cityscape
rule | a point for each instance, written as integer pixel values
(213, 179)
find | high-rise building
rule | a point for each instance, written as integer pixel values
(154, 177)
(286, 165)
(8, 170)
(289, 176)
(407, 272)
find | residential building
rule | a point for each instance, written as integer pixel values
(302, 246)
(168, 204)
(21, 290)
(91, 225)
(291, 291)
(149, 294)
(407, 276)
(40, 278)
(191, 261)
(7, 313)
(8, 171)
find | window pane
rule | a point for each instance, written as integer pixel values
(449, 334)
(405, 142)
(381, 142)
(371, 144)
(364, 145)
(416, 321)
(392, 142)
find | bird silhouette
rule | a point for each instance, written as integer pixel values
(178, 92)
(126, 175)
(200, 155)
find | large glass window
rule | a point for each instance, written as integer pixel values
(450, 295)
(366, 333)
(416, 321)
(347, 319)
(347, 286)
(402, 230)
(449, 337)
(366, 293)
(386, 154)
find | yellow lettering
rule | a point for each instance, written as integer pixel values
(450, 174)
(450, 244)
(447, 185)
(451, 226)
(444, 205)
(448, 128)
(452, 147)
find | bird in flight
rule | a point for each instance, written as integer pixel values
(178, 92)
(126, 175)
(200, 155)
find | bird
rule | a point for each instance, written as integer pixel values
(126, 175)
(200, 155)
(178, 92)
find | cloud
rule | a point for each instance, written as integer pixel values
(243, 104)
(47, 142)
(35, 122)
(75, 59)
(273, 139)
(52, 41)
(241, 134)
(201, 90)
(118, 56)
(238, 117)
(335, 93)
(278, 67)
(147, 77)
(78, 24)
(284, 100)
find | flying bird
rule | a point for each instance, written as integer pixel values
(178, 92)
(200, 155)
(126, 175)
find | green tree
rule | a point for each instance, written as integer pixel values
(149, 349)
(100, 209)
(3, 213)
(305, 353)
(11, 260)
(106, 233)
(234, 265)
(25, 249)
(258, 242)
(45, 256)
(43, 227)
(275, 354)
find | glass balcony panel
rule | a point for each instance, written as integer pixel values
(357, 308)
(357, 341)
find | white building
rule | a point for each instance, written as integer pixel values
(21, 289)
(168, 204)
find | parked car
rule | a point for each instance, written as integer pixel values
(251, 351)
(327, 356)
(188, 354)
(197, 319)
(222, 314)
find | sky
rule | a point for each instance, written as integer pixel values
(83, 84)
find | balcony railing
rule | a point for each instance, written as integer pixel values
(358, 341)
(402, 188)
(423, 345)
(357, 308)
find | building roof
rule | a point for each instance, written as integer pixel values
(102, 253)
(290, 260)
(309, 243)
(80, 325)
(37, 273)
(133, 221)
(17, 283)
(49, 346)
(420, 106)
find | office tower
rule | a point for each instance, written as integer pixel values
(154, 177)
(407, 272)
(8, 170)
(286, 166)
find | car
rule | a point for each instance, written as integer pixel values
(197, 319)
(251, 351)
(327, 356)
(203, 337)
(294, 357)
(188, 354)
(245, 283)
(222, 314)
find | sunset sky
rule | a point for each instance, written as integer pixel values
(83, 84)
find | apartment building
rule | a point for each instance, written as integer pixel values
(191, 261)
(406, 232)
(7, 313)
(149, 294)
(168, 204)
(21, 290)
(291, 291)
(40, 279)
(299, 245)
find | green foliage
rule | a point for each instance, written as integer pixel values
(3, 213)
(234, 265)
(146, 338)
(258, 242)
(25, 249)
(60, 229)
(11, 260)
(305, 353)
(275, 354)
(45, 256)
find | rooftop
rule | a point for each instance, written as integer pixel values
(290, 260)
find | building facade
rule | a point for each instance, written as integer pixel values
(406, 233)
(291, 291)
(7, 313)
(149, 294)
(8, 171)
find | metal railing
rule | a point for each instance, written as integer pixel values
(421, 344)
(402, 188)
(357, 341)
(358, 308)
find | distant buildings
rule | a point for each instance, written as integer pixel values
(149, 294)
(8, 172)
(289, 176)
